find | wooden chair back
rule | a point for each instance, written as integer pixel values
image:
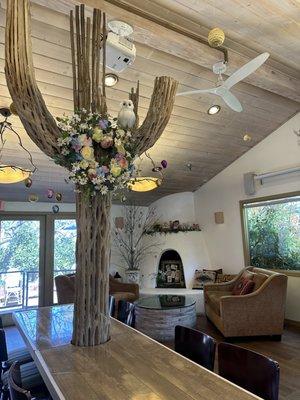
(15, 384)
(196, 346)
(126, 312)
(250, 370)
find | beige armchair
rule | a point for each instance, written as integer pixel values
(258, 313)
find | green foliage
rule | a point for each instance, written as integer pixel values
(274, 235)
(64, 245)
(19, 245)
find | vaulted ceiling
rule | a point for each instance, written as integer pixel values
(166, 34)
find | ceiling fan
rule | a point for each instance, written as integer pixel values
(222, 88)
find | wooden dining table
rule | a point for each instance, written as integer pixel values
(130, 366)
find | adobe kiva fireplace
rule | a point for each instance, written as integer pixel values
(170, 271)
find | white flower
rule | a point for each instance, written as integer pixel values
(104, 190)
(65, 152)
(110, 178)
(75, 118)
(83, 127)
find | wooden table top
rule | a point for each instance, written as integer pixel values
(130, 366)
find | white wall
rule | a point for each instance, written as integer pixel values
(176, 206)
(190, 245)
(223, 193)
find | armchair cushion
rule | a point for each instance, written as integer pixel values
(213, 299)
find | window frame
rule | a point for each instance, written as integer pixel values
(244, 227)
(46, 261)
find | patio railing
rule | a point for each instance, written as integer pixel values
(20, 289)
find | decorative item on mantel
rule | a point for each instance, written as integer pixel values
(172, 227)
(97, 152)
(118, 277)
(128, 240)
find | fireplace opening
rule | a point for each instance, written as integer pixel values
(170, 271)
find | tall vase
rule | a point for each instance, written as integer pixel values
(132, 276)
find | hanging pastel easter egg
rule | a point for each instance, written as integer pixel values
(58, 196)
(50, 193)
(55, 209)
(164, 163)
(33, 198)
(28, 182)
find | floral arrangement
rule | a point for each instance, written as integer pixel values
(97, 151)
(172, 227)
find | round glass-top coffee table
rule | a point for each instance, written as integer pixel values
(157, 316)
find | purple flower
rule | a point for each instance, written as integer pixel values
(102, 171)
(103, 123)
(76, 145)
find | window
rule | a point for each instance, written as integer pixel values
(33, 250)
(19, 263)
(272, 232)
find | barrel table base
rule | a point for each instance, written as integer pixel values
(160, 324)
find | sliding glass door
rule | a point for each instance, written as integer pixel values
(33, 250)
(21, 261)
(64, 249)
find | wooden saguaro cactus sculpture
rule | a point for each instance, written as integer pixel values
(91, 318)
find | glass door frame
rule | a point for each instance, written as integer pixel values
(16, 216)
(49, 260)
(46, 251)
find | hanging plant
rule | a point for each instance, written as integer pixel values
(98, 153)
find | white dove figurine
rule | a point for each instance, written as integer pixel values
(126, 116)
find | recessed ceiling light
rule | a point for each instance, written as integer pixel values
(111, 79)
(214, 109)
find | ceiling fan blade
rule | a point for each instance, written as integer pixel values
(196, 91)
(230, 100)
(246, 70)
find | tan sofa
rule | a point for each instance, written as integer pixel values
(258, 313)
(123, 291)
(65, 286)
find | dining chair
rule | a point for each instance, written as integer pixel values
(126, 312)
(17, 392)
(196, 346)
(30, 378)
(252, 371)
(7, 357)
(112, 306)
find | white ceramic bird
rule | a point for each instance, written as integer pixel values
(126, 116)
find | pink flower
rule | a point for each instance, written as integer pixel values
(121, 160)
(106, 142)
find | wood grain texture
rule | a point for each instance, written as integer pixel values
(129, 366)
(210, 144)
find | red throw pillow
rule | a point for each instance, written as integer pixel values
(248, 287)
(240, 286)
